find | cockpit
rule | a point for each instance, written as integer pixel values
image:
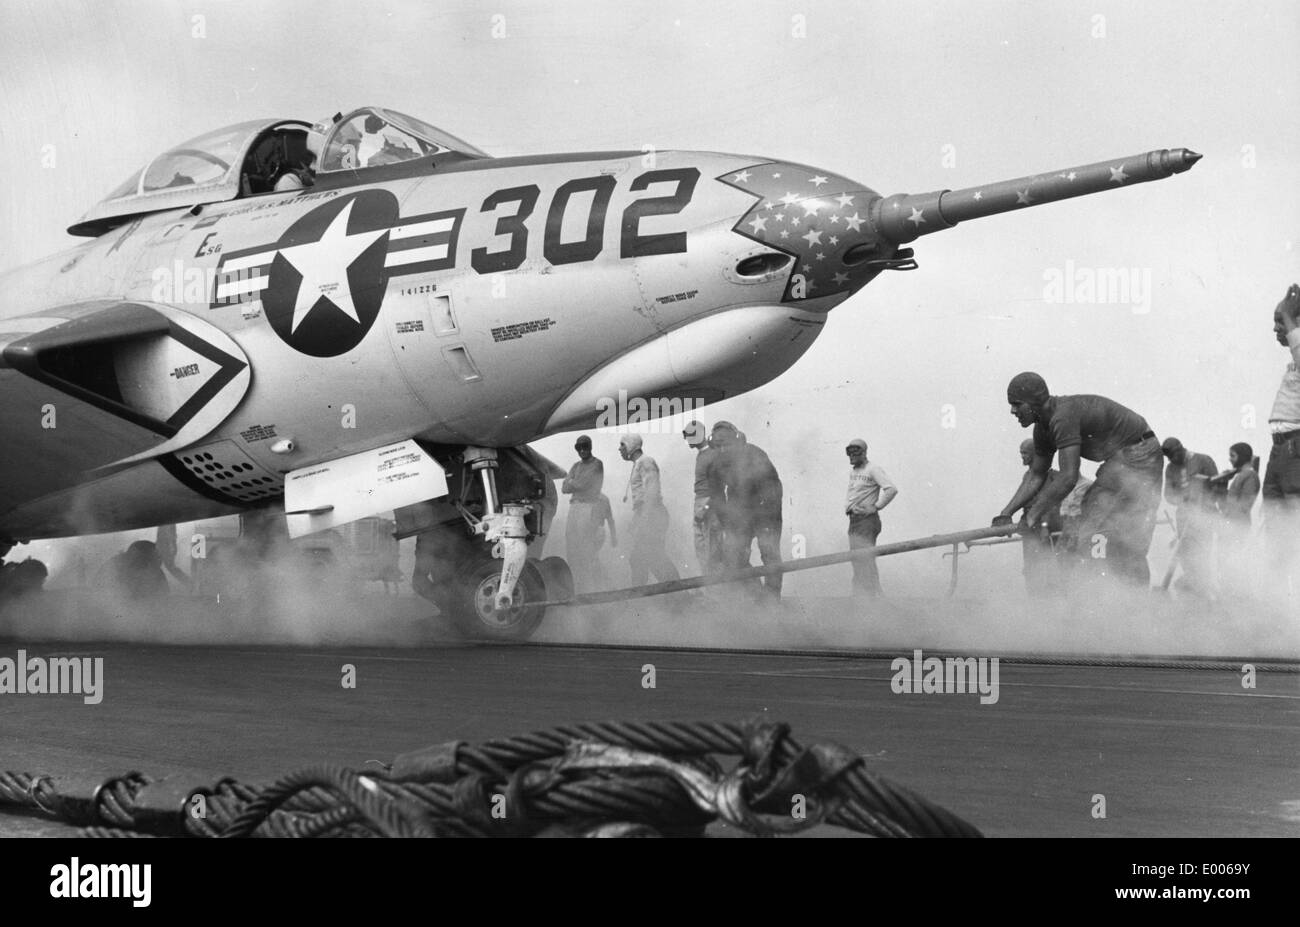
(275, 156)
(373, 137)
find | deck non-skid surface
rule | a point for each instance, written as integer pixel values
(1174, 752)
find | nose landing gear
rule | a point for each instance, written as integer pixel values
(481, 579)
(484, 612)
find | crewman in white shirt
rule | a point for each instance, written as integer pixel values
(870, 490)
(1281, 491)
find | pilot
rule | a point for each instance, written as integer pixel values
(383, 144)
(583, 486)
(297, 178)
(649, 515)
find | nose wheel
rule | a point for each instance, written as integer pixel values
(479, 616)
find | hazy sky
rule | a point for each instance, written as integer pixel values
(902, 96)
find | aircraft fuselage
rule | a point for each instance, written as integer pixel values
(488, 303)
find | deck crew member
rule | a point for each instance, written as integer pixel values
(753, 508)
(1119, 509)
(708, 487)
(1235, 491)
(1187, 477)
(1240, 486)
(582, 524)
(649, 516)
(870, 490)
(1281, 489)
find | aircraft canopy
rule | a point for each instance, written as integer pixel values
(248, 158)
(374, 137)
(236, 161)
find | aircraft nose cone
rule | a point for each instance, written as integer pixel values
(817, 217)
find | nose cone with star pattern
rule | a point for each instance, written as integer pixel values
(818, 218)
(841, 233)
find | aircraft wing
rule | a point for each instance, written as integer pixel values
(93, 385)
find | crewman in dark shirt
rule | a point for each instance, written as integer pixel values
(1119, 510)
(1187, 492)
(708, 487)
(1238, 488)
(753, 507)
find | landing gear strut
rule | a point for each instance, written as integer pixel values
(503, 526)
(482, 578)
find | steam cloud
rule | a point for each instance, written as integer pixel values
(283, 600)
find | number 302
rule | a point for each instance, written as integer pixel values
(632, 242)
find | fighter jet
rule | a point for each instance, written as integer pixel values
(335, 319)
